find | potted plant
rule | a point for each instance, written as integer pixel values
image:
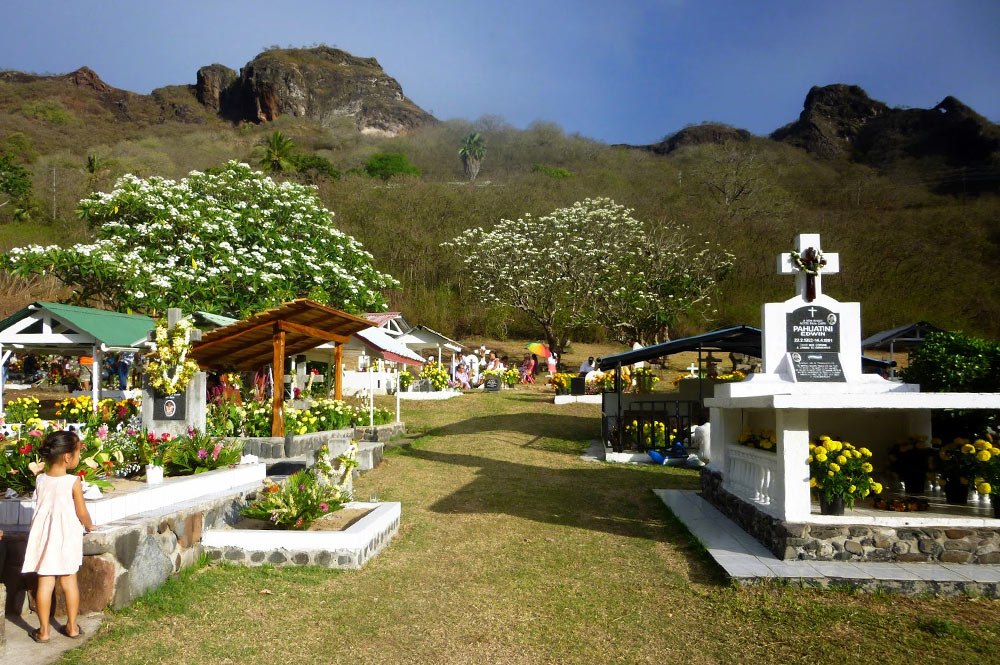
(840, 473)
(910, 461)
(560, 382)
(765, 440)
(405, 380)
(644, 380)
(956, 462)
(987, 471)
(151, 453)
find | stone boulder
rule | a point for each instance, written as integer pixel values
(322, 84)
(215, 84)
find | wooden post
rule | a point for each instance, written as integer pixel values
(278, 385)
(338, 371)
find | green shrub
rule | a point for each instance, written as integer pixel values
(552, 172)
(48, 111)
(387, 164)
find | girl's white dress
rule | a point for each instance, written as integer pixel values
(55, 542)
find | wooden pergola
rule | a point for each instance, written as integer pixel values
(268, 337)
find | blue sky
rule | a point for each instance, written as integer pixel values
(616, 71)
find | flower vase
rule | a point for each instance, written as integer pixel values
(154, 474)
(956, 493)
(834, 507)
(914, 483)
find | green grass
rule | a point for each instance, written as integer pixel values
(513, 550)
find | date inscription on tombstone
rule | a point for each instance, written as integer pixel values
(813, 329)
(814, 367)
(169, 407)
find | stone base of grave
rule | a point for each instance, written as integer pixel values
(297, 445)
(434, 395)
(578, 399)
(351, 548)
(129, 557)
(974, 544)
(370, 455)
(379, 432)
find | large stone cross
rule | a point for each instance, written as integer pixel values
(808, 286)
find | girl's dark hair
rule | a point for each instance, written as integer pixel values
(58, 443)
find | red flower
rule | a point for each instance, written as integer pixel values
(165, 436)
(82, 473)
(150, 438)
(25, 449)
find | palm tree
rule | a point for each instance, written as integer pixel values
(472, 152)
(276, 153)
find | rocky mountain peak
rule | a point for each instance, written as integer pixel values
(832, 118)
(322, 84)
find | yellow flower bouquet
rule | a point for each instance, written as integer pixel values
(840, 473)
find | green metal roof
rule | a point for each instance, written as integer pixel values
(109, 328)
(217, 320)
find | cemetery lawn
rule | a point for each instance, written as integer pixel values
(513, 550)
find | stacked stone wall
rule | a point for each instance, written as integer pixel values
(860, 542)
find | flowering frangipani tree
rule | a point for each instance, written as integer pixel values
(233, 242)
(586, 264)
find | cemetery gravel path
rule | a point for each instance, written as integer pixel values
(513, 550)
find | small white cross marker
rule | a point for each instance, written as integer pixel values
(692, 368)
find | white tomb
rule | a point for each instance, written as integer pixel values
(812, 385)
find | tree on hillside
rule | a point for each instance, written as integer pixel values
(472, 152)
(15, 186)
(275, 153)
(234, 242)
(313, 168)
(599, 265)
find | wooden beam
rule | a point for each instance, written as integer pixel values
(338, 371)
(278, 389)
(288, 326)
(226, 338)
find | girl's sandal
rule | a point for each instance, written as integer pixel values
(78, 635)
(35, 635)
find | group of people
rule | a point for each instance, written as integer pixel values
(115, 369)
(468, 370)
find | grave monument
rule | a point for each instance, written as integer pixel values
(175, 413)
(812, 385)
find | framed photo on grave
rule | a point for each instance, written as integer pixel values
(169, 407)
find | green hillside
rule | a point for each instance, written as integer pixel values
(907, 253)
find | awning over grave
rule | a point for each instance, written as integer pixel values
(738, 339)
(68, 330)
(390, 348)
(46, 327)
(270, 336)
(903, 338)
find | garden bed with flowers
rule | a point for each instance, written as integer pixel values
(290, 523)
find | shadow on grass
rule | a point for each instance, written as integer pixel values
(601, 497)
(538, 425)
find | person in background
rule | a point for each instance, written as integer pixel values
(553, 363)
(504, 363)
(587, 366)
(125, 361)
(527, 369)
(635, 347)
(493, 364)
(537, 368)
(462, 377)
(86, 370)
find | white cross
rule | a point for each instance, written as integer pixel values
(786, 266)
(692, 368)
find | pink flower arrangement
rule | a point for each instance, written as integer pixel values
(324, 507)
(216, 451)
(202, 453)
(102, 432)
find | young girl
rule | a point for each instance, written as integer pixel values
(55, 542)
